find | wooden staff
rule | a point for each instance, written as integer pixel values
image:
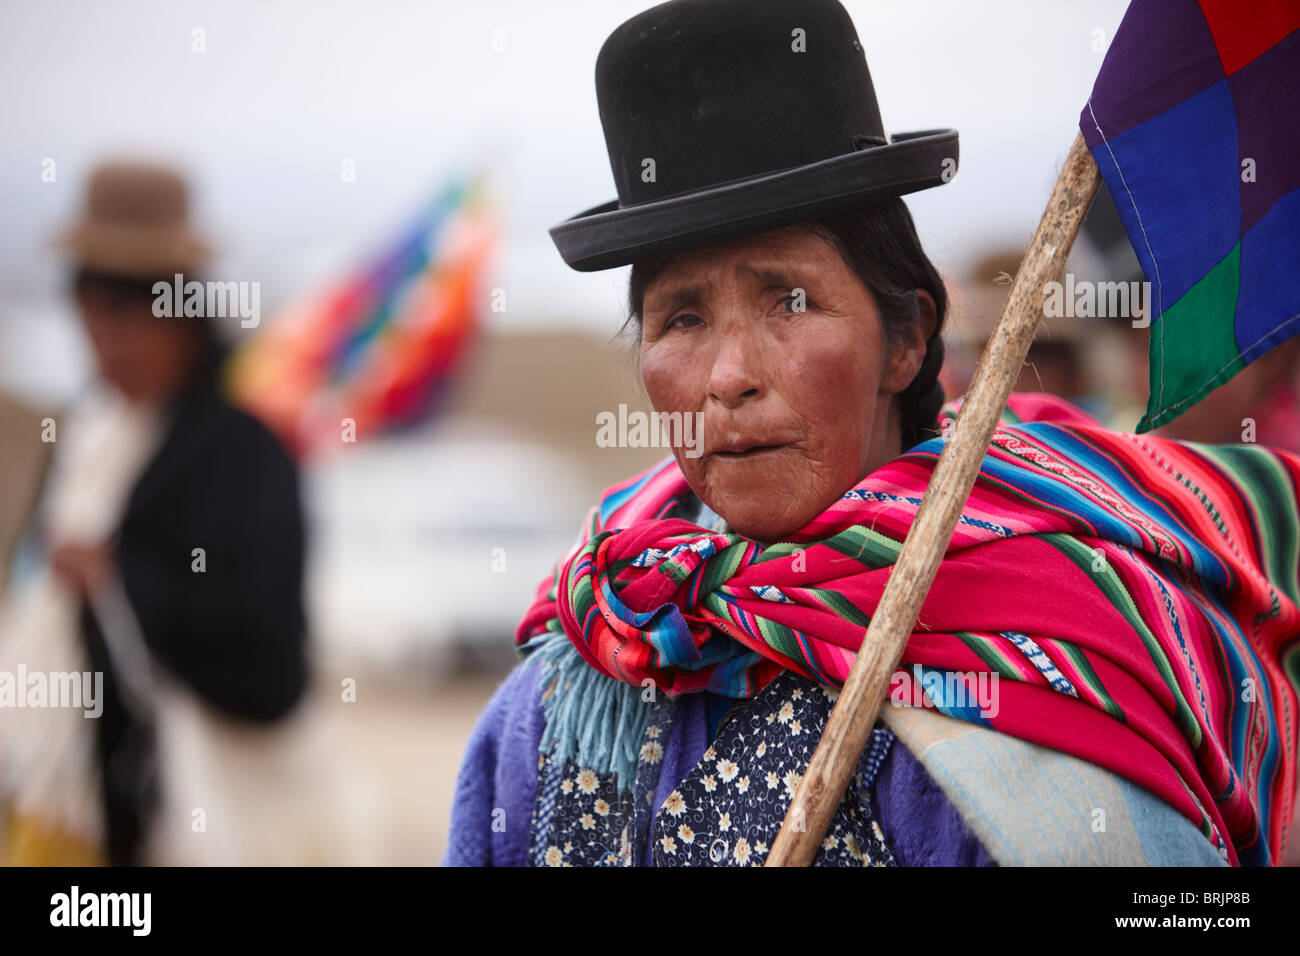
(823, 784)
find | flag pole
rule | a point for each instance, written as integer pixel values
(836, 758)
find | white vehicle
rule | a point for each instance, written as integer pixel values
(426, 548)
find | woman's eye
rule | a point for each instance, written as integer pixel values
(794, 303)
(686, 320)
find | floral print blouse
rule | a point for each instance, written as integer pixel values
(727, 810)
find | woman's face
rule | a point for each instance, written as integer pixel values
(147, 358)
(796, 406)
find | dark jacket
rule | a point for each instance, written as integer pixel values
(235, 633)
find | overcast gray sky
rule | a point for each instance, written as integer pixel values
(413, 91)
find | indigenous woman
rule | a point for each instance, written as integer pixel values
(1105, 669)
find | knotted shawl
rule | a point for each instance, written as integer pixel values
(1136, 597)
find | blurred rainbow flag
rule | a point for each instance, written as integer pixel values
(381, 347)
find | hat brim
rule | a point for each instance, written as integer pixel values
(607, 236)
(133, 251)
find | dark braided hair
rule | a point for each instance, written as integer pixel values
(879, 243)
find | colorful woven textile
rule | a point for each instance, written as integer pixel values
(1136, 598)
(1195, 125)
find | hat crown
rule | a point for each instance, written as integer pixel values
(695, 93)
(137, 195)
(135, 222)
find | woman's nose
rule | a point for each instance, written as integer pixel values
(735, 376)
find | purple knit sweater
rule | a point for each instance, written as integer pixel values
(491, 817)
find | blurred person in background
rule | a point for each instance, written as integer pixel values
(174, 533)
(1054, 363)
(1062, 359)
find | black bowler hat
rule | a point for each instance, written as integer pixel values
(726, 118)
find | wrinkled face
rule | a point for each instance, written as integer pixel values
(796, 406)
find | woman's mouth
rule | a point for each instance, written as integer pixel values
(746, 453)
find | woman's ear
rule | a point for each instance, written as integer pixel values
(911, 347)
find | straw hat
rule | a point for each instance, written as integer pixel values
(134, 223)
